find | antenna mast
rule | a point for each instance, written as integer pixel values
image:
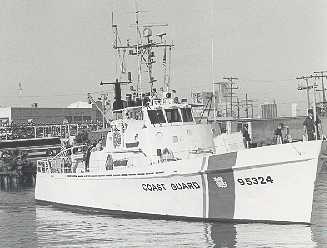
(115, 32)
(169, 68)
(143, 49)
(139, 76)
(212, 64)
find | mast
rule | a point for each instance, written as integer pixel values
(213, 83)
(139, 76)
(164, 62)
(143, 48)
(212, 63)
(114, 30)
(169, 68)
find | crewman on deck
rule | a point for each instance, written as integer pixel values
(310, 126)
(99, 145)
(288, 137)
(246, 136)
(278, 135)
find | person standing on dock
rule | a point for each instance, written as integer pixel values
(246, 136)
(310, 126)
(278, 135)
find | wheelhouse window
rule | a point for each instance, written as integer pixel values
(187, 114)
(156, 116)
(77, 118)
(223, 127)
(135, 114)
(173, 115)
(118, 115)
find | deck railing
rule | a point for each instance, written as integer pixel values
(68, 160)
(64, 162)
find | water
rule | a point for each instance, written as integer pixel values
(26, 224)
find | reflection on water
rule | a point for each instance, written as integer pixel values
(94, 230)
(220, 234)
(260, 235)
(17, 218)
(319, 217)
(24, 224)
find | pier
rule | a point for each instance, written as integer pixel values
(12, 180)
(30, 131)
(22, 145)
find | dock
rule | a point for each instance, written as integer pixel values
(10, 180)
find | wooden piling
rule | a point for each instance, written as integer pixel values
(13, 180)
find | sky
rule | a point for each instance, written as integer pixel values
(60, 50)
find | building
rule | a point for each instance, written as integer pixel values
(269, 111)
(72, 114)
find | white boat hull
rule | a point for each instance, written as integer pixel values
(246, 185)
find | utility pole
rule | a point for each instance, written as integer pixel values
(248, 102)
(237, 104)
(322, 83)
(218, 96)
(238, 108)
(231, 88)
(251, 110)
(103, 98)
(307, 87)
(230, 108)
(315, 109)
(246, 105)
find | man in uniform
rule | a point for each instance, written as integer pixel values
(310, 126)
(246, 136)
(278, 135)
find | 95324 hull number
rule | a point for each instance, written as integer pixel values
(255, 180)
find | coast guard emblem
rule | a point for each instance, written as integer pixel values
(220, 182)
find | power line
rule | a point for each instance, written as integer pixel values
(268, 80)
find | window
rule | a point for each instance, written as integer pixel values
(223, 127)
(77, 118)
(173, 115)
(118, 115)
(69, 119)
(187, 115)
(122, 162)
(239, 126)
(135, 114)
(87, 118)
(156, 116)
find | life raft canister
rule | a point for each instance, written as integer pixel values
(116, 138)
